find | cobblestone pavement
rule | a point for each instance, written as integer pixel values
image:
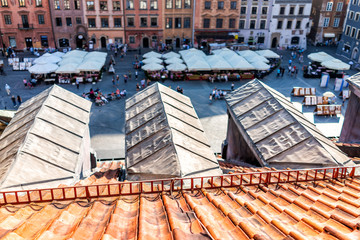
(107, 122)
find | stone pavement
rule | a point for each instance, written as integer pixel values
(107, 122)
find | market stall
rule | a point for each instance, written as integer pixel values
(173, 60)
(43, 72)
(152, 60)
(152, 54)
(171, 55)
(327, 110)
(300, 91)
(316, 100)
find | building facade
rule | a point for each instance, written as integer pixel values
(290, 23)
(255, 17)
(216, 21)
(350, 40)
(105, 22)
(178, 21)
(327, 21)
(26, 24)
(143, 23)
(68, 22)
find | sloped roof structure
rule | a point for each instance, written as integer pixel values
(164, 136)
(47, 141)
(278, 134)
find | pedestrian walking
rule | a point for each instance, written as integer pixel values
(129, 74)
(13, 99)
(296, 72)
(289, 70)
(125, 78)
(113, 81)
(77, 84)
(293, 71)
(137, 87)
(210, 98)
(19, 100)
(7, 89)
(115, 52)
(278, 72)
(136, 74)
(232, 86)
(282, 71)
(25, 82)
(290, 62)
(148, 81)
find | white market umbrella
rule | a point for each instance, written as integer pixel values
(320, 57)
(152, 67)
(152, 60)
(90, 66)
(71, 60)
(260, 66)
(47, 59)
(176, 67)
(192, 52)
(171, 55)
(329, 94)
(173, 60)
(58, 54)
(335, 64)
(68, 68)
(43, 68)
(94, 55)
(267, 53)
(75, 53)
(241, 65)
(247, 53)
(198, 65)
(257, 58)
(217, 62)
(152, 54)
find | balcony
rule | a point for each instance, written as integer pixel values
(25, 26)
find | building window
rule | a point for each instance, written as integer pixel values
(298, 24)
(12, 42)
(154, 38)
(279, 24)
(254, 10)
(264, 10)
(243, 10)
(153, 4)
(57, 4)
(358, 34)
(130, 22)
(329, 6)
(351, 15)
(169, 4)
(339, 6)
(220, 4)
(289, 23)
(187, 3)
(347, 31)
(117, 22)
(22, 3)
(92, 22)
(292, 10)
(153, 22)
(129, 4)
(206, 23)
(282, 10)
(143, 4)
(38, 3)
(262, 24)
(261, 40)
(301, 10)
(326, 22)
(252, 24)
(143, 22)
(241, 24)
(219, 23)
(41, 19)
(103, 6)
(116, 6)
(168, 23)
(66, 4)
(177, 3)
(178, 22)
(63, 42)
(132, 39)
(4, 3)
(58, 22)
(77, 4)
(119, 40)
(44, 41)
(90, 5)
(233, 5)
(232, 23)
(68, 22)
(187, 22)
(357, 15)
(207, 5)
(336, 22)
(7, 19)
(353, 30)
(78, 20)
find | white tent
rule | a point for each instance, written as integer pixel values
(199, 65)
(93, 55)
(320, 57)
(335, 64)
(43, 68)
(101, 60)
(247, 53)
(71, 60)
(218, 63)
(75, 53)
(90, 66)
(257, 58)
(58, 54)
(267, 53)
(68, 68)
(173, 60)
(152, 54)
(192, 52)
(152, 67)
(260, 66)
(152, 60)
(239, 63)
(47, 58)
(176, 67)
(225, 52)
(171, 55)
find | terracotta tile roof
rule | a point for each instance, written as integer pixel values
(327, 209)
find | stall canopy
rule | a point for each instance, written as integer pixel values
(171, 55)
(152, 67)
(94, 55)
(152, 60)
(152, 54)
(191, 52)
(225, 53)
(173, 60)
(267, 53)
(75, 53)
(164, 137)
(218, 63)
(176, 67)
(90, 66)
(257, 58)
(260, 66)
(68, 68)
(320, 57)
(266, 129)
(43, 68)
(47, 143)
(198, 65)
(47, 58)
(70, 60)
(239, 63)
(58, 54)
(247, 53)
(335, 64)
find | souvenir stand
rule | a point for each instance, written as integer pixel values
(300, 91)
(327, 110)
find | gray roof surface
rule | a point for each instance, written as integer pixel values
(164, 136)
(355, 80)
(280, 135)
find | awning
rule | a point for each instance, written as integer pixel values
(329, 35)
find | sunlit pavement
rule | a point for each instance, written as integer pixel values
(107, 122)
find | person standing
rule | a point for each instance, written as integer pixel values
(8, 89)
(136, 74)
(117, 80)
(113, 81)
(25, 82)
(19, 100)
(129, 75)
(13, 100)
(232, 86)
(282, 71)
(77, 84)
